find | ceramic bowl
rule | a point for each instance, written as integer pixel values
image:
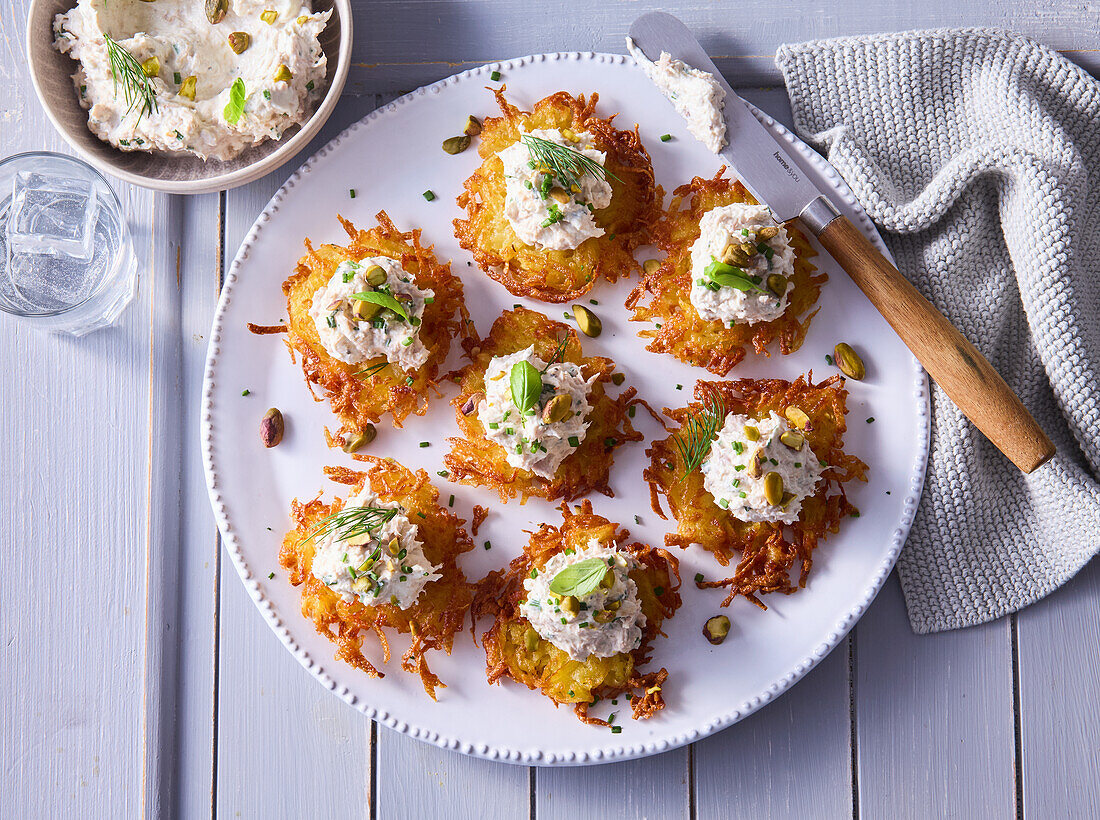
(51, 72)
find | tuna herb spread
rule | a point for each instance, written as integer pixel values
(372, 308)
(554, 183)
(760, 469)
(163, 76)
(585, 603)
(696, 95)
(537, 412)
(741, 265)
(369, 550)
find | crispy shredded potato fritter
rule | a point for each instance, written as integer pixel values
(551, 275)
(664, 296)
(478, 461)
(767, 551)
(438, 613)
(550, 669)
(358, 397)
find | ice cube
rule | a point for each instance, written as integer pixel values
(51, 215)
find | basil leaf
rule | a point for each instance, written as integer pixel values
(235, 107)
(729, 276)
(526, 385)
(383, 299)
(580, 578)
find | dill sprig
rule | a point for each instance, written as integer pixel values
(695, 436)
(137, 88)
(350, 522)
(565, 163)
(557, 353)
(370, 371)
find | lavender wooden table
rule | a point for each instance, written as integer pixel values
(136, 677)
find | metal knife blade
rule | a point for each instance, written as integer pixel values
(761, 163)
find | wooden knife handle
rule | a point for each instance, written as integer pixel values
(956, 365)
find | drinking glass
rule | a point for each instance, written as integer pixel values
(67, 261)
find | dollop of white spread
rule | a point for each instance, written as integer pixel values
(737, 223)
(726, 469)
(385, 566)
(351, 339)
(580, 634)
(179, 35)
(530, 206)
(529, 442)
(695, 94)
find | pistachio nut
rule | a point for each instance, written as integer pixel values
(557, 408)
(216, 10)
(753, 470)
(473, 126)
(375, 275)
(353, 443)
(797, 417)
(716, 629)
(773, 488)
(187, 87)
(777, 283)
(271, 427)
(767, 232)
(848, 361)
(587, 321)
(793, 439)
(470, 405)
(239, 41)
(456, 145)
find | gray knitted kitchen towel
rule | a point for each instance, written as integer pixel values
(978, 154)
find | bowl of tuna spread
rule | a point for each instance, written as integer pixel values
(189, 96)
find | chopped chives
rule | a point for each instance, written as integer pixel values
(429, 195)
(630, 412)
(351, 193)
(442, 473)
(495, 76)
(245, 392)
(270, 575)
(666, 137)
(871, 420)
(698, 577)
(425, 444)
(593, 302)
(574, 441)
(637, 519)
(615, 730)
(488, 545)
(493, 425)
(175, 76)
(828, 359)
(451, 502)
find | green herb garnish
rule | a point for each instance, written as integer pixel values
(382, 299)
(526, 383)
(729, 276)
(350, 522)
(137, 88)
(235, 107)
(695, 436)
(580, 578)
(567, 164)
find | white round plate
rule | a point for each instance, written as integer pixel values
(390, 158)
